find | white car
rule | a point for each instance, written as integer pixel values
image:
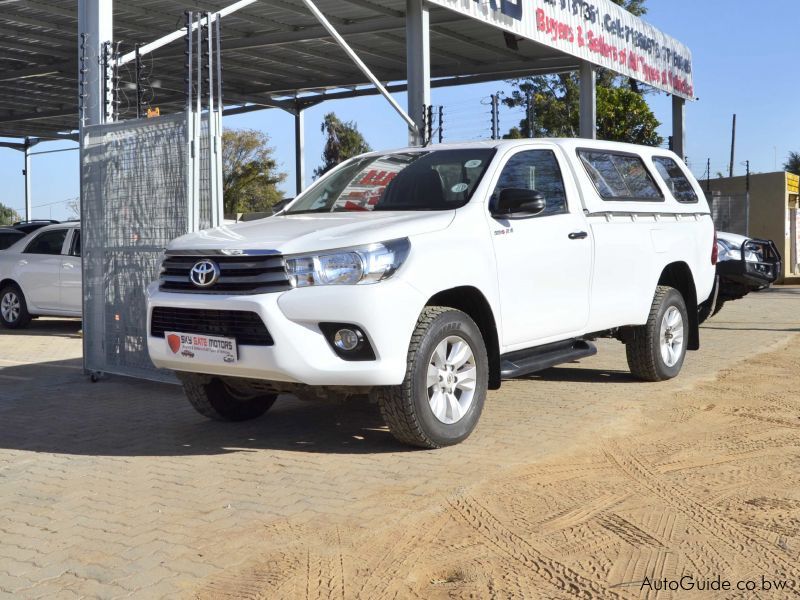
(426, 276)
(40, 275)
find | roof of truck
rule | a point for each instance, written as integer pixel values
(566, 143)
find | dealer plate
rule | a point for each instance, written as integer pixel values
(193, 347)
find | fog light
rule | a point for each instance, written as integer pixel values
(347, 339)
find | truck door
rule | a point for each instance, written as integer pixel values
(544, 262)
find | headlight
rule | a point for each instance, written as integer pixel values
(351, 266)
(726, 253)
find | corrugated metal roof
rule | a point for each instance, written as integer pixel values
(273, 50)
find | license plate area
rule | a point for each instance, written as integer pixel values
(195, 347)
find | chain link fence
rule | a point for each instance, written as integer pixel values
(731, 212)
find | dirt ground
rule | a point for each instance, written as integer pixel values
(578, 483)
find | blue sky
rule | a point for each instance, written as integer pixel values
(745, 57)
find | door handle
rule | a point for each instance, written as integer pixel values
(578, 235)
(68, 265)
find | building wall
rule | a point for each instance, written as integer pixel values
(769, 208)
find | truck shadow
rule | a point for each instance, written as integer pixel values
(52, 407)
(576, 375)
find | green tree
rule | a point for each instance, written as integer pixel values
(792, 163)
(250, 175)
(8, 215)
(343, 141)
(636, 7)
(623, 114)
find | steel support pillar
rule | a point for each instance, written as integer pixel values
(300, 149)
(96, 24)
(418, 66)
(588, 101)
(679, 126)
(28, 196)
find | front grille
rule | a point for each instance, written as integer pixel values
(238, 274)
(246, 327)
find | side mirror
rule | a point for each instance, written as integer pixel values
(519, 202)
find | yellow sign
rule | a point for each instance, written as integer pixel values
(793, 183)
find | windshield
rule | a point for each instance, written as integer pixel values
(432, 180)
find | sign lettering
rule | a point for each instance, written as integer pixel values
(595, 30)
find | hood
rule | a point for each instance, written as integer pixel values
(732, 238)
(293, 234)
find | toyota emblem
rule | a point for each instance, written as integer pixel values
(205, 273)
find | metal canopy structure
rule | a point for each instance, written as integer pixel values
(293, 54)
(274, 50)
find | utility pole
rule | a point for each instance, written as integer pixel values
(733, 147)
(708, 176)
(441, 123)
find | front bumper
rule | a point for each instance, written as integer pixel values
(739, 277)
(387, 312)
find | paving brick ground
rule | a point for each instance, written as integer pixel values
(118, 489)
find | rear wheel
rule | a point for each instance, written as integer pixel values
(13, 308)
(441, 398)
(215, 399)
(657, 349)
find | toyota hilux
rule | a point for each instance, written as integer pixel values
(423, 277)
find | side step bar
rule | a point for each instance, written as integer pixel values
(525, 362)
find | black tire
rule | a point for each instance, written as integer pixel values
(213, 398)
(643, 350)
(406, 408)
(12, 293)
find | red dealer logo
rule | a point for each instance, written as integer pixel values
(174, 342)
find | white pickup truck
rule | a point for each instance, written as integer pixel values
(426, 276)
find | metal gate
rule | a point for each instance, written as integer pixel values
(134, 201)
(731, 212)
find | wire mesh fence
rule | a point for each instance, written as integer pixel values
(134, 202)
(731, 212)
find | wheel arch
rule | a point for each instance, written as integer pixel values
(679, 275)
(8, 281)
(470, 300)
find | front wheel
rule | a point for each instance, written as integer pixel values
(215, 399)
(13, 308)
(441, 398)
(657, 349)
